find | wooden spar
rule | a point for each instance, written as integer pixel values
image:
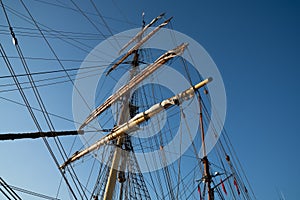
(139, 34)
(139, 44)
(135, 81)
(34, 135)
(132, 124)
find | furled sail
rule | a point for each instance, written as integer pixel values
(134, 81)
(138, 119)
(139, 44)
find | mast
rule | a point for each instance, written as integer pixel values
(112, 178)
(117, 157)
(207, 176)
(139, 34)
(173, 181)
(139, 44)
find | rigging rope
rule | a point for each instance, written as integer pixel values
(104, 22)
(45, 84)
(30, 110)
(89, 20)
(33, 193)
(37, 95)
(62, 66)
(61, 36)
(54, 115)
(87, 13)
(166, 172)
(8, 189)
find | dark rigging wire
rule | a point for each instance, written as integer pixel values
(59, 37)
(42, 106)
(50, 72)
(31, 111)
(32, 193)
(91, 22)
(103, 20)
(54, 115)
(73, 9)
(45, 84)
(9, 190)
(52, 59)
(54, 53)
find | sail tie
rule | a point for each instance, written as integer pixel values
(223, 187)
(236, 186)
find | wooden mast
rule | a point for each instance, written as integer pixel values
(124, 117)
(207, 176)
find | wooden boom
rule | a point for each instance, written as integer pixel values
(132, 124)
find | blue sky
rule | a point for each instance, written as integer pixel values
(256, 47)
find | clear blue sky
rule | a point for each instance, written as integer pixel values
(256, 46)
